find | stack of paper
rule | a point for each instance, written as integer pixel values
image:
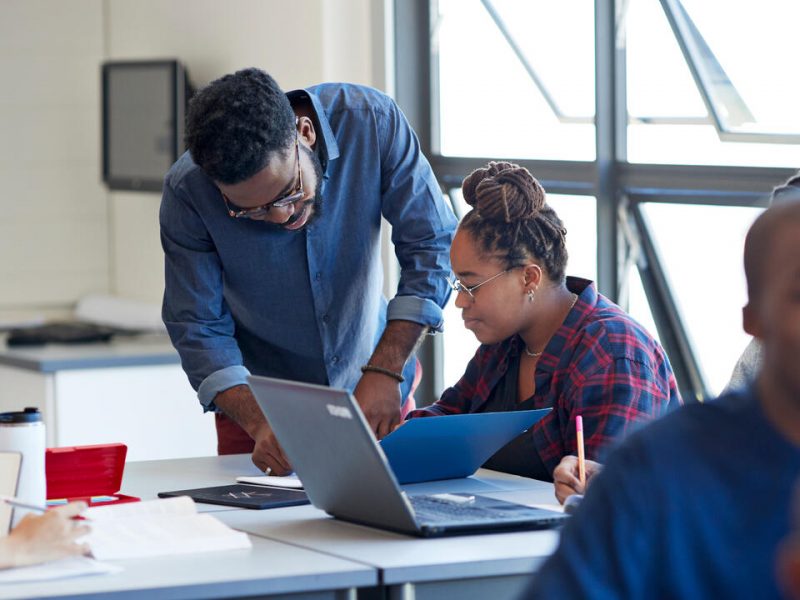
(125, 313)
(286, 481)
(156, 528)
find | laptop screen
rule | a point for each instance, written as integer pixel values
(9, 477)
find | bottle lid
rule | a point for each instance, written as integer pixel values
(29, 415)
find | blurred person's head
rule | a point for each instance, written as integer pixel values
(772, 313)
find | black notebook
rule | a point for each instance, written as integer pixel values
(243, 496)
(67, 332)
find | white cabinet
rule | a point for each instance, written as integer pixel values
(136, 394)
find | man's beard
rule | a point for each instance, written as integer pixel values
(316, 200)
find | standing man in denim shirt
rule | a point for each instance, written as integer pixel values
(270, 224)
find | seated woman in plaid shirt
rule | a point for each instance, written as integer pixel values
(547, 340)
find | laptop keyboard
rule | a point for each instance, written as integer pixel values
(464, 508)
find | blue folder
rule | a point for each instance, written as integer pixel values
(452, 446)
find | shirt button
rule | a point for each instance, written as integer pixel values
(325, 318)
(318, 276)
(334, 360)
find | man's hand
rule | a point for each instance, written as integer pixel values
(239, 404)
(566, 474)
(268, 453)
(378, 396)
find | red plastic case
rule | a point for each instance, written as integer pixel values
(84, 472)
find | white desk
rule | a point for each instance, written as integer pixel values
(465, 567)
(299, 553)
(270, 569)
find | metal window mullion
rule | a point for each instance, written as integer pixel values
(557, 177)
(417, 96)
(664, 180)
(609, 132)
(413, 60)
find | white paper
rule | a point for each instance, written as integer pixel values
(287, 481)
(120, 312)
(58, 569)
(157, 528)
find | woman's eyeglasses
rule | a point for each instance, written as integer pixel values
(459, 287)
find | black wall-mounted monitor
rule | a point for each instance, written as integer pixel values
(144, 103)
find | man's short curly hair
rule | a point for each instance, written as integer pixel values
(236, 122)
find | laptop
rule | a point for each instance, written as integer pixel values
(10, 463)
(345, 473)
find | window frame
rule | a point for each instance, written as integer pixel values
(618, 186)
(712, 82)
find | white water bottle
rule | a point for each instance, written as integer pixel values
(23, 432)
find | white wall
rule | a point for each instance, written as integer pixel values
(53, 209)
(61, 233)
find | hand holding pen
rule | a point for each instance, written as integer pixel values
(45, 537)
(567, 475)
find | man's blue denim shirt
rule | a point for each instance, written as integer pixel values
(243, 296)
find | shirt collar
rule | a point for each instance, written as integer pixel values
(326, 142)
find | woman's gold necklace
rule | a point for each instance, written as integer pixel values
(538, 354)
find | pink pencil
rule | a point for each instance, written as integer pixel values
(581, 456)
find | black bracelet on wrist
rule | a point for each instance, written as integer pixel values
(398, 376)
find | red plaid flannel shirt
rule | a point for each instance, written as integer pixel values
(600, 364)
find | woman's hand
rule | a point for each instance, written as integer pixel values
(41, 538)
(566, 475)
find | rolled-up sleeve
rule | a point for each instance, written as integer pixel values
(418, 310)
(219, 381)
(422, 222)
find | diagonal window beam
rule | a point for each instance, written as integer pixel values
(726, 108)
(526, 64)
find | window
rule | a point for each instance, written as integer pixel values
(707, 278)
(683, 59)
(657, 127)
(504, 91)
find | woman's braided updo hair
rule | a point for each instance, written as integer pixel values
(510, 216)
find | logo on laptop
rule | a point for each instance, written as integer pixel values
(339, 411)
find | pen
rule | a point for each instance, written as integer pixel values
(42, 509)
(20, 504)
(581, 457)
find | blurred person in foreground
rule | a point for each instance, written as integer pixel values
(788, 557)
(696, 504)
(749, 363)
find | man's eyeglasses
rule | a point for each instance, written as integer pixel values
(459, 287)
(259, 211)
